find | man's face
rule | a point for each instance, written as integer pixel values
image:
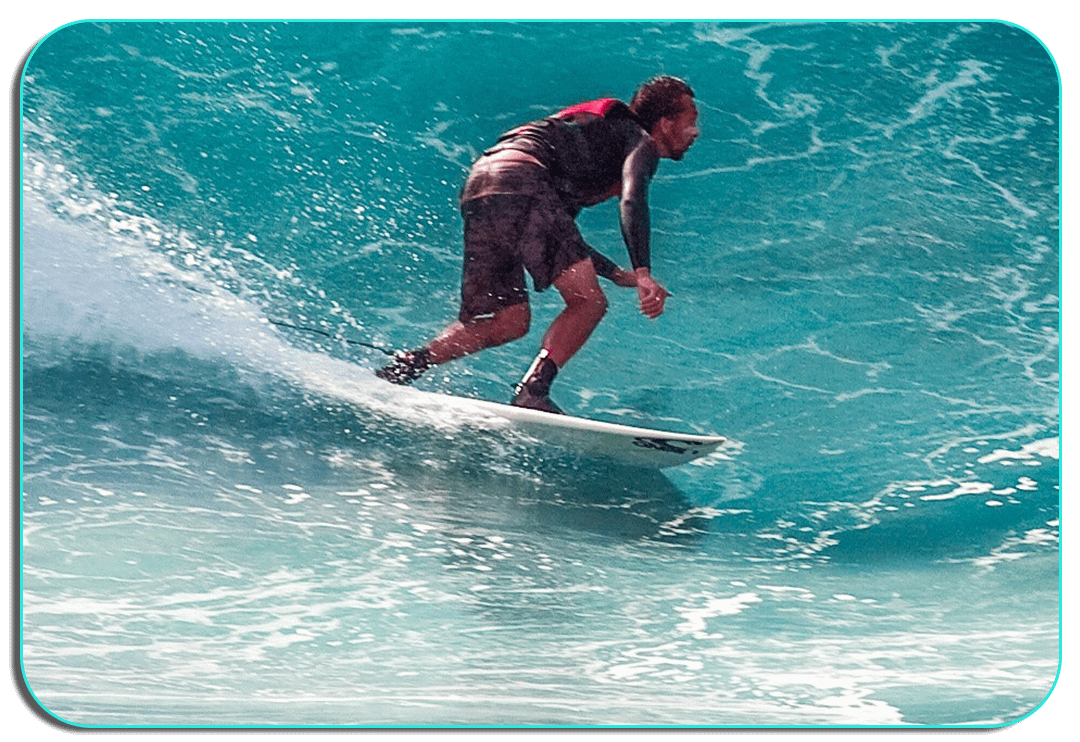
(680, 132)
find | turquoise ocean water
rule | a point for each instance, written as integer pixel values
(227, 520)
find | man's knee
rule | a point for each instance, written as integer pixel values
(589, 300)
(516, 323)
(595, 305)
(601, 303)
(506, 325)
(581, 291)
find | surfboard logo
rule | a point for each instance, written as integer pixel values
(661, 444)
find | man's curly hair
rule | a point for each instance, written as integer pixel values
(660, 97)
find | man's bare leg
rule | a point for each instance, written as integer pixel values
(585, 307)
(465, 338)
(458, 340)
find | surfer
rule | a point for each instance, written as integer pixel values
(519, 204)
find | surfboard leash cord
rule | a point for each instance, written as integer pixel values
(332, 336)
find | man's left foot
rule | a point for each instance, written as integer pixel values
(406, 367)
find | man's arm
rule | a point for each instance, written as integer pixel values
(650, 293)
(638, 170)
(634, 219)
(602, 264)
(607, 268)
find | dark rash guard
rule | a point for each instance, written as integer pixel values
(594, 151)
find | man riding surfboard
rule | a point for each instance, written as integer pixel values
(519, 204)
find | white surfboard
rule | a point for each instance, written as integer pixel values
(657, 449)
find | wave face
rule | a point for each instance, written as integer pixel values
(226, 519)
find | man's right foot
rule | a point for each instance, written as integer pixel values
(533, 390)
(524, 398)
(406, 367)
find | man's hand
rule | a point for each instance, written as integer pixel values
(650, 293)
(624, 278)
